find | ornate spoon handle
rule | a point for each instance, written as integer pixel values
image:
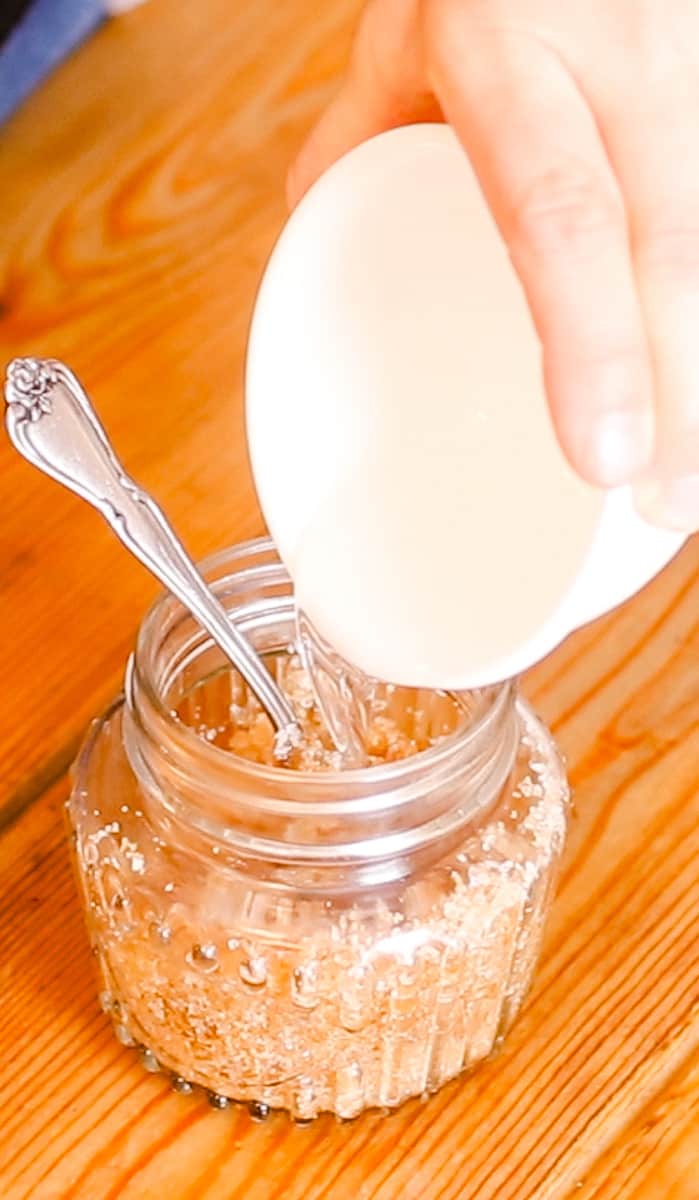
(52, 423)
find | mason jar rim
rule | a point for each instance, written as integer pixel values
(387, 773)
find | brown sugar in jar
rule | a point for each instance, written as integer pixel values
(301, 936)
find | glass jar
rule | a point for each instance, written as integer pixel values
(310, 941)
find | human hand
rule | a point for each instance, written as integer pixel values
(581, 120)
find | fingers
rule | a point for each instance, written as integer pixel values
(654, 150)
(603, 228)
(384, 87)
(534, 143)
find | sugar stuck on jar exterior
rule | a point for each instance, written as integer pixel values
(313, 940)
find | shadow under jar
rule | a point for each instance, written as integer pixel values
(308, 940)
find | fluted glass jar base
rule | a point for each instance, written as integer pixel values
(307, 998)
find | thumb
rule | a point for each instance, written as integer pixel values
(385, 86)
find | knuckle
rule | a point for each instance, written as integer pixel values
(565, 209)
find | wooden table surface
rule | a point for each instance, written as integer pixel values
(141, 190)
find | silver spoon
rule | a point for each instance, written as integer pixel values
(52, 423)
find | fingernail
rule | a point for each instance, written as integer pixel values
(622, 446)
(672, 503)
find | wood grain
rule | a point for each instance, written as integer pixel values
(658, 1154)
(142, 189)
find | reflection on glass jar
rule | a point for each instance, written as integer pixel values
(309, 940)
